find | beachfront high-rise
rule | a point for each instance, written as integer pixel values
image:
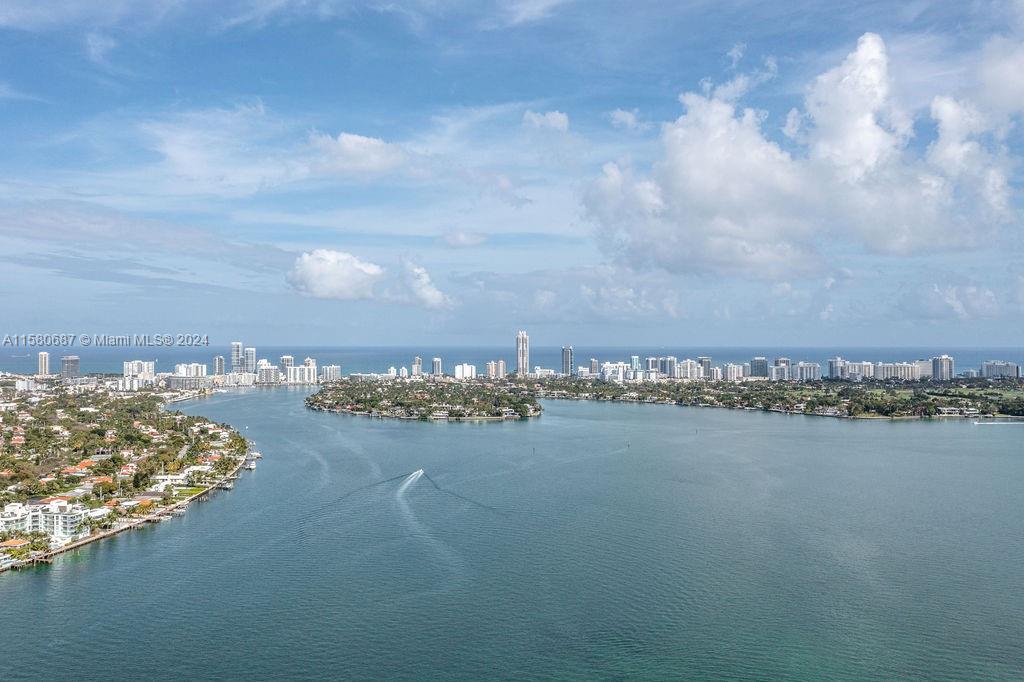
(69, 367)
(417, 366)
(218, 364)
(249, 360)
(567, 359)
(942, 368)
(438, 368)
(759, 367)
(44, 363)
(522, 353)
(236, 357)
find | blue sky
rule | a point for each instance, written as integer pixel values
(722, 173)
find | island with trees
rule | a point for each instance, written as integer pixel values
(867, 399)
(428, 399)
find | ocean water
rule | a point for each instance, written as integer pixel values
(598, 541)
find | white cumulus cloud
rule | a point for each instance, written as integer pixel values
(351, 153)
(554, 120)
(423, 289)
(324, 273)
(627, 119)
(725, 197)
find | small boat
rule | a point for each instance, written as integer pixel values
(250, 465)
(256, 454)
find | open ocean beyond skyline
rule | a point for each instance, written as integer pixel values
(355, 359)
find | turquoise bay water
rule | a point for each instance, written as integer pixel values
(601, 540)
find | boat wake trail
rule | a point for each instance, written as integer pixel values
(418, 529)
(461, 497)
(341, 498)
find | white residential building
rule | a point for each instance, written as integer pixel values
(522, 353)
(330, 373)
(61, 520)
(806, 371)
(190, 369)
(301, 374)
(732, 372)
(942, 368)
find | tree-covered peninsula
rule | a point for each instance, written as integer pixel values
(428, 399)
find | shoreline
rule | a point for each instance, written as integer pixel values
(382, 416)
(47, 557)
(1006, 418)
(1001, 418)
(152, 517)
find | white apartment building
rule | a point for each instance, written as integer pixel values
(140, 369)
(59, 519)
(302, 374)
(901, 371)
(806, 371)
(190, 369)
(268, 374)
(942, 368)
(688, 369)
(465, 371)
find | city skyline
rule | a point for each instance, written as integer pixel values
(248, 369)
(727, 174)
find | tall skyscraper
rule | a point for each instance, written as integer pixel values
(522, 353)
(286, 362)
(942, 368)
(249, 360)
(502, 369)
(218, 364)
(437, 369)
(634, 362)
(236, 357)
(595, 368)
(759, 367)
(567, 361)
(69, 367)
(417, 366)
(705, 366)
(492, 370)
(44, 363)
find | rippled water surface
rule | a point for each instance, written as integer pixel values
(601, 540)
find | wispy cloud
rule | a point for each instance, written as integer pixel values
(8, 91)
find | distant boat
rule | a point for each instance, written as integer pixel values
(250, 464)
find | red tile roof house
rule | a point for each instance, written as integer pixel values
(14, 543)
